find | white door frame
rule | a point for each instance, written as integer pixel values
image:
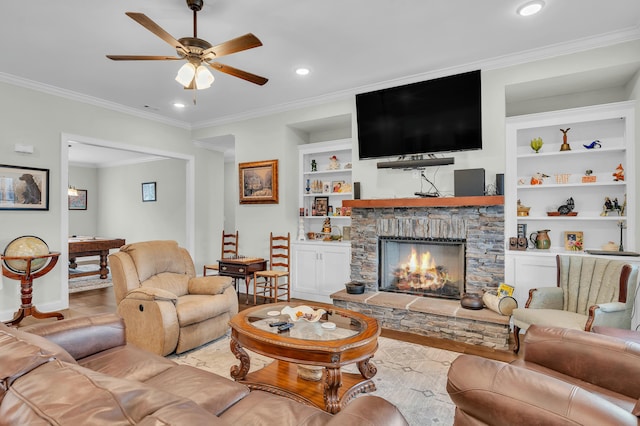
(65, 139)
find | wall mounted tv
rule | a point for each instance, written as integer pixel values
(433, 116)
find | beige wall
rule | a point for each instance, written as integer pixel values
(256, 139)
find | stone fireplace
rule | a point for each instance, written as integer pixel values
(422, 266)
(480, 226)
(478, 222)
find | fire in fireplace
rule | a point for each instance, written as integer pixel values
(427, 267)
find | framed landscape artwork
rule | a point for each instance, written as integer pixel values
(78, 202)
(258, 182)
(24, 188)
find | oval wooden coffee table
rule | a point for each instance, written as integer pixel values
(354, 340)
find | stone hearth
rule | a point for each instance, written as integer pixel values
(478, 220)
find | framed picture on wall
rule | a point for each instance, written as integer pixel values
(78, 202)
(258, 182)
(24, 188)
(149, 191)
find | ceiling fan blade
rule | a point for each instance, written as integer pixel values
(142, 58)
(238, 73)
(247, 41)
(146, 22)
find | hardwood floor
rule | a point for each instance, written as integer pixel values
(103, 301)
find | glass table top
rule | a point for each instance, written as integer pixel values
(331, 325)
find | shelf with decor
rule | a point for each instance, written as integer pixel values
(582, 186)
(325, 179)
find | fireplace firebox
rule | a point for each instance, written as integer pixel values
(422, 266)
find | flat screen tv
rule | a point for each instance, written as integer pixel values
(433, 116)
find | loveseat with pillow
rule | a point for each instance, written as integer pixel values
(82, 371)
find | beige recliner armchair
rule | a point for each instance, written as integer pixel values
(591, 291)
(165, 307)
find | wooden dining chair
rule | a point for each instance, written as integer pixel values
(229, 249)
(274, 283)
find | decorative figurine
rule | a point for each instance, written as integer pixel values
(618, 175)
(314, 166)
(588, 176)
(612, 206)
(326, 226)
(565, 146)
(565, 209)
(536, 144)
(594, 144)
(333, 163)
(538, 178)
(308, 188)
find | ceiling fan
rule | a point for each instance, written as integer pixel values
(197, 52)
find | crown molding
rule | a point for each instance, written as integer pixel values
(79, 97)
(575, 46)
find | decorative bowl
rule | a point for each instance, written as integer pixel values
(306, 313)
(354, 287)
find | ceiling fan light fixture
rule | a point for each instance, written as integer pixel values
(530, 8)
(204, 78)
(186, 74)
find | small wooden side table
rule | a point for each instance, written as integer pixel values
(26, 286)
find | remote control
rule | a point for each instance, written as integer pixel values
(277, 324)
(285, 327)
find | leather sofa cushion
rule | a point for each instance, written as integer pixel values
(195, 308)
(80, 337)
(8, 335)
(211, 285)
(212, 392)
(262, 408)
(65, 393)
(127, 362)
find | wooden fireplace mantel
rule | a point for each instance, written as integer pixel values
(491, 200)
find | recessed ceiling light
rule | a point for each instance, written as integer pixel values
(530, 8)
(302, 71)
(179, 105)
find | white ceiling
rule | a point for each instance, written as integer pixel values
(350, 46)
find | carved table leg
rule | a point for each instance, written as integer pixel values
(367, 369)
(239, 372)
(332, 384)
(104, 271)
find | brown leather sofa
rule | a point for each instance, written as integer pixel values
(565, 377)
(165, 306)
(81, 371)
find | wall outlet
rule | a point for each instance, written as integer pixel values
(415, 174)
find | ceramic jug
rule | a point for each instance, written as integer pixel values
(541, 239)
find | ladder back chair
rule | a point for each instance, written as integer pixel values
(274, 283)
(229, 249)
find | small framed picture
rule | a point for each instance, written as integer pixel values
(326, 187)
(149, 191)
(574, 240)
(322, 206)
(337, 186)
(23, 188)
(78, 202)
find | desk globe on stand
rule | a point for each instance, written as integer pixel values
(27, 258)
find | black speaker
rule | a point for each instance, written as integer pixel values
(500, 184)
(356, 190)
(468, 182)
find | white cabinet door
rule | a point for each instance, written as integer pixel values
(304, 270)
(533, 272)
(336, 269)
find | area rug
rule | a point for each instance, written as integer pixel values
(412, 377)
(90, 282)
